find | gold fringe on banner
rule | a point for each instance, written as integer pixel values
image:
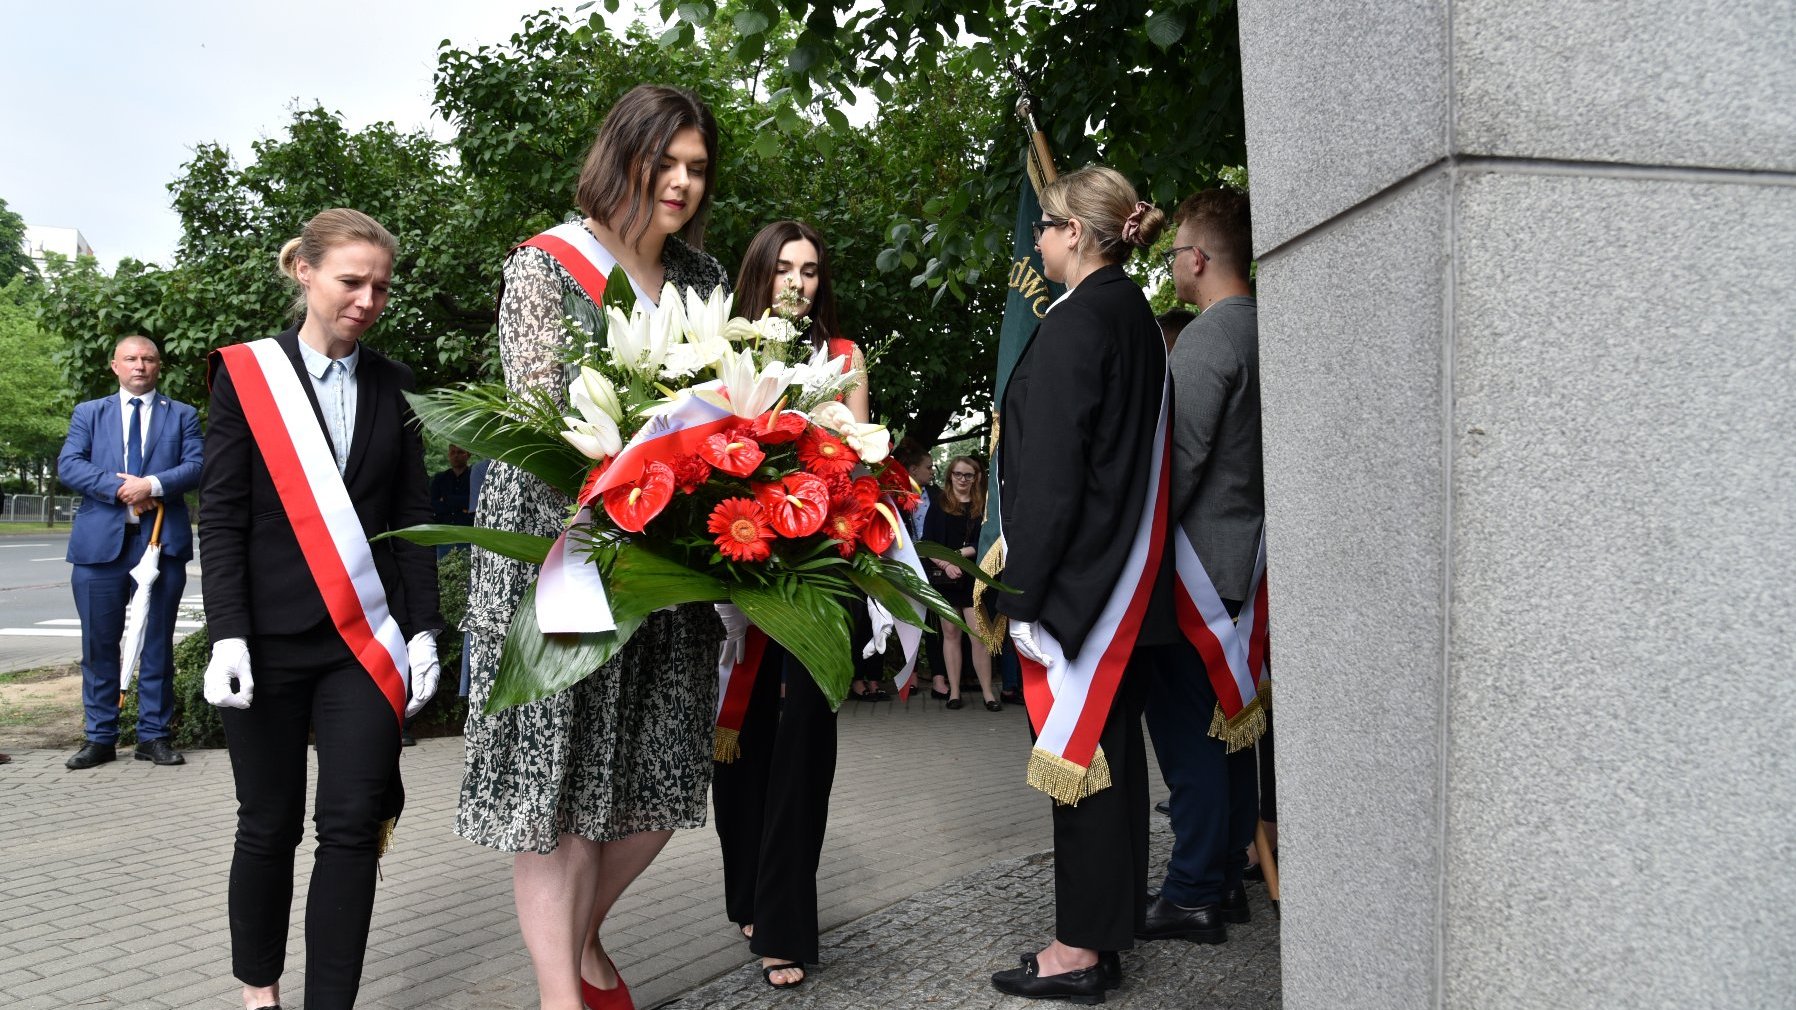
(1244, 729)
(1065, 781)
(726, 746)
(995, 631)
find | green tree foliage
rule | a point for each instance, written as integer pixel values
(34, 409)
(1151, 88)
(14, 261)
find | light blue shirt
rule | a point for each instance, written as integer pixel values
(125, 397)
(333, 380)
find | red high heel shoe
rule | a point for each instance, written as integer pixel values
(606, 999)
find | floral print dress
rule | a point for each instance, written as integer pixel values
(627, 749)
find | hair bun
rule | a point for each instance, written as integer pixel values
(289, 258)
(1143, 225)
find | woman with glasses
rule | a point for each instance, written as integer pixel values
(1084, 507)
(955, 522)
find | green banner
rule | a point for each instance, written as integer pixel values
(1030, 295)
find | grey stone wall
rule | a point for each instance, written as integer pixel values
(1528, 331)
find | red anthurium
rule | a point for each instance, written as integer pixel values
(796, 505)
(632, 505)
(821, 452)
(690, 472)
(590, 489)
(742, 530)
(878, 532)
(861, 491)
(896, 481)
(733, 452)
(844, 526)
(775, 428)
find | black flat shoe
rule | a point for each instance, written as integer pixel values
(1163, 807)
(1234, 905)
(1109, 962)
(1167, 921)
(954, 702)
(159, 751)
(938, 695)
(880, 694)
(90, 755)
(993, 706)
(1084, 986)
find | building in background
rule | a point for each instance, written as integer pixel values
(66, 242)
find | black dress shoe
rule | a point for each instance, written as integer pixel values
(1163, 807)
(1084, 986)
(1234, 905)
(1109, 962)
(954, 702)
(91, 754)
(406, 739)
(1167, 921)
(159, 751)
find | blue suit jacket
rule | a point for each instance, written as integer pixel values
(92, 457)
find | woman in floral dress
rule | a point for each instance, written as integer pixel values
(587, 785)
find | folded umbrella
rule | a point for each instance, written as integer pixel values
(137, 612)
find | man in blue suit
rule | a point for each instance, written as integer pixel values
(125, 453)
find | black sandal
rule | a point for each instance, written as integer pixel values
(767, 974)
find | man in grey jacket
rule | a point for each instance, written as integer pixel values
(1218, 498)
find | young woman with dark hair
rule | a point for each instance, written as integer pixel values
(587, 785)
(772, 802)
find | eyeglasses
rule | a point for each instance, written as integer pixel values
(963, 475)
(1040, 226)
(1172, 255)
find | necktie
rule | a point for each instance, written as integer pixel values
(334, 414)
(134, 444)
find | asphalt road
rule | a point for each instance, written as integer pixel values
(38, 626)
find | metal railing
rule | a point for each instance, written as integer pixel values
(30, 508)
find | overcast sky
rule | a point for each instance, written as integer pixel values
(101, 101)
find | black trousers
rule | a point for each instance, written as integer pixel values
(772, 808)
(309, 683)
(1100, 844)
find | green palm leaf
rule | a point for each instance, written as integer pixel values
(889, 596)
(523, 431)
(641, 582)
(931, 549)
(917, 588)
(517, 546)
(810, 624)
(533, 665)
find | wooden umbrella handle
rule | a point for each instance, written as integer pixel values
(1268, 862)
(156, 531)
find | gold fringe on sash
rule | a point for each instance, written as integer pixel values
(1245, 728)
(385, 838)
(1065, 781)
(727, 745)
(994, 632)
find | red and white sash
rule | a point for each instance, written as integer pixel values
(585, 259)
(1069, 699)
(323, 518)
(1233, 650)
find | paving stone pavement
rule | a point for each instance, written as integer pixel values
(112, 890)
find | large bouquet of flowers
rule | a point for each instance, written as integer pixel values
(709, 460)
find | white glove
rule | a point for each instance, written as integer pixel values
(421, 656)
(882, 627)
(735, 634)
(1022, 635)
(230, 660)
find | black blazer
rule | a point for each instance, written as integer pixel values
(1076, 437)
(257, 581)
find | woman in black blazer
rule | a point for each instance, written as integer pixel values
(1077, 465)
(282, 667)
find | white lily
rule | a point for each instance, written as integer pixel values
(739, 330)
(706, 319)
(639, 343)
(596, 435)
(747, 390)
(822, 378)
(592, 394)
(872, 442)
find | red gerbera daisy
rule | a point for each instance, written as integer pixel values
(690, 472)
(821, 452)
(734, 453)
(742, 530)
(796, 505)
(844, 526)
(896, 481)
(632, 505)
